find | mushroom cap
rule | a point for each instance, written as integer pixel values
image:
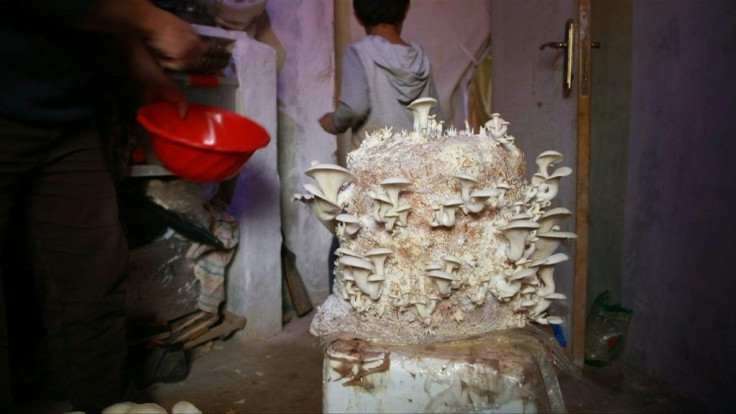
(520, 216)
(326, 167)
(376, 278)
(314, 190)
(549, 157)
(523, 273)
(441, 275)
(355, 262)
(347, 218)
(503, 185)
(520, 224)
(403, 207)
(554, 320)
(453, 259)
(528, 289)
(466, 178)
(528, 302)
(555, 295)
(485, 193)
(557, 234)
(561, 172)
(380, 251)
(421, 102)
(380, 197)
(340, 251)
(396, 181)
(538, 178)
(433, 266)
(555, 259)
(453, 202)
(557, 211)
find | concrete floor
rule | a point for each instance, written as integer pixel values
(283, 375)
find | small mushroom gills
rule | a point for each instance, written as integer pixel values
(551, 217)
(360, 270)
(350, 222)
(546, 273)
(378, 257)
(393, 186)
(449, 208)
(375, 281)
(546, 159)
(330, 178)
(479, 198)
(517, 232)
(420, 109)
(547, 242)
(443, 280)
(467, 182)
(381, 205)
(403, 213)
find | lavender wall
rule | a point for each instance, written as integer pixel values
(678, 271)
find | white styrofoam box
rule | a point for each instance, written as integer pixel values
(468, 376)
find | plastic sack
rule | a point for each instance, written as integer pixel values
(606, 331)
(503, 371)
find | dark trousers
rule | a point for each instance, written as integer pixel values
(57, 181)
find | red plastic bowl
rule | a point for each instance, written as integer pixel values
(210, 144)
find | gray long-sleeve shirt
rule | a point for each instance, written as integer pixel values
(379, 80)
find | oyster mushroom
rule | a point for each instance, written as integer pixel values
(393, 186)
(344, 251)
(330, 178)
(507, 289)
(554, 320)
(546, 159)
(360, 270)
(548, 242)
(351, 223)
(517, 232)
(451, 262)
(549, 189)
(443, 280)
(478, 200)
(420, 109)
(522, 273)
(496, 126)
(378, 257)
(376, 285)
(546, 273)
(448, 211)
(403, 213)
(390, 219)
(467, 182)
(551, 217)
(381, 205)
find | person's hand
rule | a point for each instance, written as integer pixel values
(175, 44)
(166, 89)
(326, 122)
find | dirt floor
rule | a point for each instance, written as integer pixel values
(283, 375)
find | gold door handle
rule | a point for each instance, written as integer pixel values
(569, 46)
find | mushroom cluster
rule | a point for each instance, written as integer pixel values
(387, 208)
(480, 241)
(324, 198)
(533, 235)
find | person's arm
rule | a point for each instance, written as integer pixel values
(146, 72)
(354, 105)
(173, 41)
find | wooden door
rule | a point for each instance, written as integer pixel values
(528, 92)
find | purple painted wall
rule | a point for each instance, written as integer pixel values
(680, 221)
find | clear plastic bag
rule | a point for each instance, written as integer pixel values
(606, 331)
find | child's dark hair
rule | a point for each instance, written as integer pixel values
(373, 12)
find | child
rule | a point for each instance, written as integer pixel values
(381, 74)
